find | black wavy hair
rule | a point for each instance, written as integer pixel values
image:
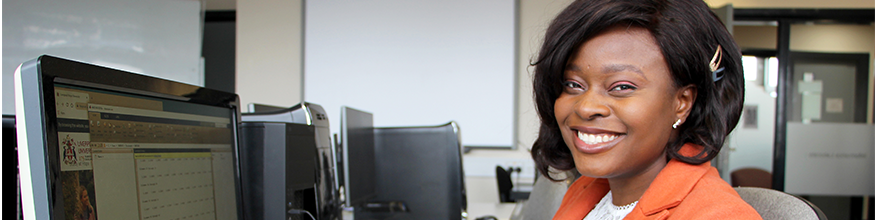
(688, 34)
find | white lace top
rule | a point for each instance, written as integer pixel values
(606, 210)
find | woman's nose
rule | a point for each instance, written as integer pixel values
(591, 105)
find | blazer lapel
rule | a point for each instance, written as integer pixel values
(576, 205)
(672, 185)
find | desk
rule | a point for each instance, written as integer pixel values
(503, 211)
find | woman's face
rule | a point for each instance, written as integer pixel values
(84, 196)
(618, 105)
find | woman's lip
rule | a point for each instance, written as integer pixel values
(590, 130)
(598, 147)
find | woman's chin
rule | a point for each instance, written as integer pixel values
(591, 171)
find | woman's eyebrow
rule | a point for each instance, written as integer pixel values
(613, 68)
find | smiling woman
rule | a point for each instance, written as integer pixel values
(638, 96)
(616, 120)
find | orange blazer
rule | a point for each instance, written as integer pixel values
(680, 191)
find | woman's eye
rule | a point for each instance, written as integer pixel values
(623, 87)
(571, 85)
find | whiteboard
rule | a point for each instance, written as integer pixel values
(160, 38)
(415, 63)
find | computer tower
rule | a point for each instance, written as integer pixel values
(288, 164)
(279, 169)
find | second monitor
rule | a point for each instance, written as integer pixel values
(359, 169)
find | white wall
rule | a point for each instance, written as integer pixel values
(414, 64)
(269, 52)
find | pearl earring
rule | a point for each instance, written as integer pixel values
(676, 123)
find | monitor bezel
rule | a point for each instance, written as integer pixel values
(41, 166)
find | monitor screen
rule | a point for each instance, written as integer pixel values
(359, 169)
(99, 143)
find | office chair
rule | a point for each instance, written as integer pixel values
(753, 177)
(505, 185)
(545, 198)
(773, 204)
(434, 190)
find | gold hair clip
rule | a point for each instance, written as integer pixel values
(715, 64)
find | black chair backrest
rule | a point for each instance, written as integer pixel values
(421, 167)
(546, 197)
(504, 184)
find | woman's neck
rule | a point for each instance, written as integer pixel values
(628, 189)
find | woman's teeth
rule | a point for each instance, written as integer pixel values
(595, 138)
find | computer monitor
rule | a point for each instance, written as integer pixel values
(263, 108)
(108, 144)
(359, 169)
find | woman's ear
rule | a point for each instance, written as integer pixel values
(684, 100)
